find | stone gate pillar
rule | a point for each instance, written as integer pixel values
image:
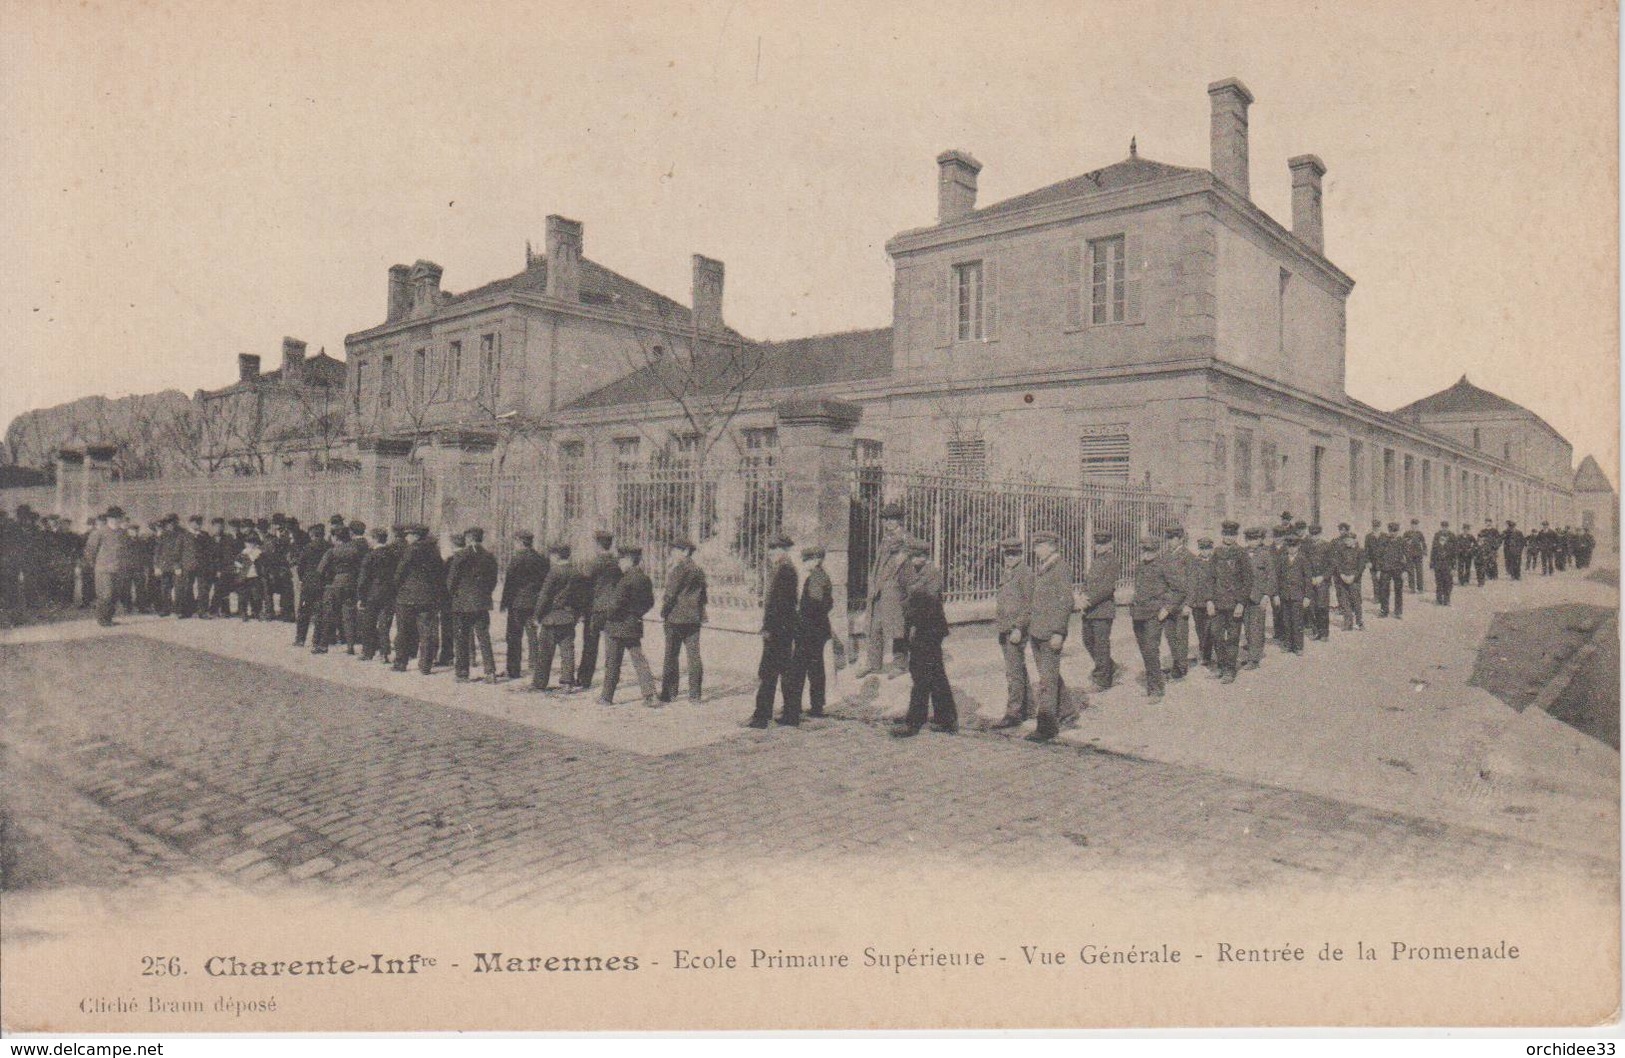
(375, 504)
(815, 453)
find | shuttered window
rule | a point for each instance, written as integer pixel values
(1268, 459)
(967, 302)
(1105, 459)
(1107, 281)
(1244, 463)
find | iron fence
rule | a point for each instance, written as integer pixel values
(963, 519)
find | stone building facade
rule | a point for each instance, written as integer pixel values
(293, 416)
(1143, 325)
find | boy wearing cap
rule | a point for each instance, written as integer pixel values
(623, 626)
(1156, 597)
(375, 589)
(1177, 563)
(558, 608)
(1393, 561)
(471, 579)
(521, 584)
(420, 584)
(337, 572)
(682, 608)
(166, 564)
(1100, 609)
(1047, 628)
(602, 573)
(1512, 544)
(309, 598)
(1262, 559)
(1292, 581)
(778, 637)
(195, 561)
(1442, 559)
(1013, 610)
(250, 579)
(1416, 549)
(930, 694)
(1200, 601)
(1232, 588)
(109, 555)
(1348, 567)
(1320, 580)
(812, 632)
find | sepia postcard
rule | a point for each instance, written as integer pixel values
(741, 515)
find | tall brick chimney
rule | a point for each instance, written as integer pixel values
(1230, 100)
(425, 282)
(564, 239)
(956, 185)
(1306, 216)
(708, 275)
(400, 292)
(248, 367)
(293, 359)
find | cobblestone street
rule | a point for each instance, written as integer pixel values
(129, 758)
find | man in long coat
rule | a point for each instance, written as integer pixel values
(682, 609)
(887, 576)
(778, 636)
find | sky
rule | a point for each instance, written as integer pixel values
(188, 181)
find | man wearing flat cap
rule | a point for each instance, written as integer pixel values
(1321, 575)
(1180, 568)
(1047, 629)
(309, 584)
(521, 584)
(682, 609)
(887, 576)
(602, 572)
(471, 579)
(1262, 559)
(1393, 561)
(623, 627)
(1442, 557)
(375, 591)
(813, 632)
(1416, 550)
(1100, 608)
(778, 636)
(1348, 568)
(1232, 588)
(1512, 544)
(420, 585)
(930, 695)
(1159, 591)
(1013, 610)
(558, 607)
(109, 555)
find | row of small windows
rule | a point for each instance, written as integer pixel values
(435, 376)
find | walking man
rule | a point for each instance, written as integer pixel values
(1292, 583)
(375, 590)
(558, 607)
(1442, 557)
(1416, 549)
(1232, 587)
(1262, 559)
(470, 582)
(1178, 562)
(1012, 612)
(930, 694)
(682, 608)
(1348, 566)
(623, 627)
(778, 635)
(420, 583)
(1156, 596)
(110, 557)
(310, 587)
(527, 570)
(1100, 609)
(602, 573)
(1393, 561)
(1320, 580)
(812, 633)
(1512, 542)
(1047, 628)
(1200, 600)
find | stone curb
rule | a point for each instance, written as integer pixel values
(1557, 685)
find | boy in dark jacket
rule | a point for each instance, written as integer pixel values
(1013, 611)
(778, 636)
(471, 579)
(1100, 609)
(420, 579)
(927, 626)
(527, 570)
(683, 610)
(623, 626)
(557, 611)
(812, 632)
(1047, 629)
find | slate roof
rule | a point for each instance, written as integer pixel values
(849, 356)
(1464, 398)
(1590, 478)
(1129, 172)
(600, 286)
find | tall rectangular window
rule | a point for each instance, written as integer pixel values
(627, 452)
(1356, 471)
(360, 371)
(968, 325)
(420, 374)
(1107, 274)
(572, 472)
(1410, 483)
(761, 448)
(454, 369)
(1105, 458)
(386, 386)
(1427, 487)
(1269, 459)
(1388, 478)
(1243, 461)
(490, 368)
